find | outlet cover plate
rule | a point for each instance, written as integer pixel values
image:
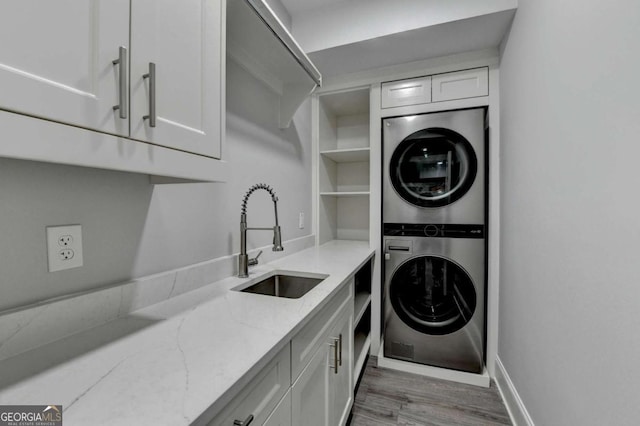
(64, 247)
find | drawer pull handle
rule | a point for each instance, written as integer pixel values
(246, 422)
(340, 344)
(336, 356)
(151, 75)
(121, 62)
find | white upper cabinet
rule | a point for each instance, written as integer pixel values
(461, 84)
(56, 60)
(470, 83)
(87, 82)
(182, 39)
(406, 92)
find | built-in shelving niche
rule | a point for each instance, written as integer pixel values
(343, 165)
(362, 318)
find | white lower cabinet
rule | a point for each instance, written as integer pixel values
(307, 341)
(310, 382)
(310, 393)
(341, 378)
(323, 394)
(281, 416)
(258, 399)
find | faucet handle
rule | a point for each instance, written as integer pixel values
(254, 261)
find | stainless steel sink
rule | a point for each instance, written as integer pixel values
(285, 285)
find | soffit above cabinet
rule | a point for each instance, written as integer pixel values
(466, 35)
(346, 36)
(259, 42)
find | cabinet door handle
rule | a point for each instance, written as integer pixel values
(340, 344)
(246, 421)
(151, 75)
(121, 62)
(336, 356)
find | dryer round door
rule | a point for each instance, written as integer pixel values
(433, 167)
(432, 295)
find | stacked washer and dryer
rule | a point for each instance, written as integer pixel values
(433, 214)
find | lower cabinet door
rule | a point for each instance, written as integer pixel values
(310, 393)
(261, 396)
(281, 416)
(341, 382)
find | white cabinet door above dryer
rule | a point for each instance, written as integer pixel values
(460, 84)
(56, 60)
(406, 92)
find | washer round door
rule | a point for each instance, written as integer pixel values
(432, 295)
(433, 167)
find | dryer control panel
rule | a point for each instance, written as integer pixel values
(434, 230)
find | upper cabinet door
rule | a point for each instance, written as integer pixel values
(183, 40)
(56, 60)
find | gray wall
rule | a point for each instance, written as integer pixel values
(131, 228)
(570, 282)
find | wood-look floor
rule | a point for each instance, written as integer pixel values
(390, 397)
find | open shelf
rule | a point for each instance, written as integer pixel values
(343, 217)
(362, 336)
(345, 194)
(344, 166)
(347, 155)
(361, 344)
(362, 317)
(362, 329)
(361, 303)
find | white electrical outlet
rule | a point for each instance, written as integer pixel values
(64, 246)
(301, 220)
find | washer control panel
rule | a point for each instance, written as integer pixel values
(434, 230)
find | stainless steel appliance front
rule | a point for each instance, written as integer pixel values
(434, 298)
(434, 167)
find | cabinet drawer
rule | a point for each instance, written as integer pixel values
(262, 395)
(306, 343)
(460, 84)
(281, 416)
(406, 92)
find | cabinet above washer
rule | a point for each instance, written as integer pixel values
(463, 84)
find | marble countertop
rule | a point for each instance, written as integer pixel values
(169, 363)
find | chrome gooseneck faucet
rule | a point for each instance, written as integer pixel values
(243, 259)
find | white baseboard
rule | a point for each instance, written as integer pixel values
(438, 373)
(517, 411)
